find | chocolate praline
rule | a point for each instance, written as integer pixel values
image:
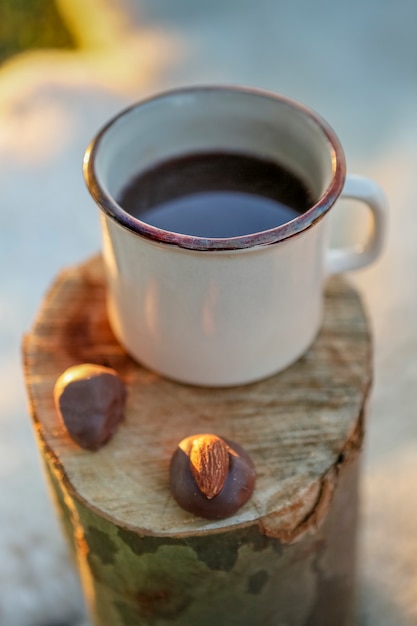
(237, 488)
(90, 401)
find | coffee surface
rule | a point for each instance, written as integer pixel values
(216, 195)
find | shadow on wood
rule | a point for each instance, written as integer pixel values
(288, 556)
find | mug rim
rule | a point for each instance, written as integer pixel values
(303, 222)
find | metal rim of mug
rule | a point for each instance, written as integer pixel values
(267, 237)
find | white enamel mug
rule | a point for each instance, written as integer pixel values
(222, 311)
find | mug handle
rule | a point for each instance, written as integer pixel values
(353, 258)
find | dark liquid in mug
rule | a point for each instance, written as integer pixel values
(216, 195)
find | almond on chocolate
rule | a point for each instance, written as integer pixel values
(210, 476)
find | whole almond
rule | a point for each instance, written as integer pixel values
(209, 460)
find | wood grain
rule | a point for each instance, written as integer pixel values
(295, 425)
(302, 427)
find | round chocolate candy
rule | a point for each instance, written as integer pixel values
(211, 477)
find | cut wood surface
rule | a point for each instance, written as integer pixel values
(288, 555)
(300, 426)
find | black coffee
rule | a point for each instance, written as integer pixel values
(216, 195)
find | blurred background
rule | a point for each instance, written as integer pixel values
(65, 68)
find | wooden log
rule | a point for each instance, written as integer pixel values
(288, 556)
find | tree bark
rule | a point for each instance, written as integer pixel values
(288, 556)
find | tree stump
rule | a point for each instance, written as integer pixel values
(288, 556)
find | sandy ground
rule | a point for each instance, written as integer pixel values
(356, 63)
